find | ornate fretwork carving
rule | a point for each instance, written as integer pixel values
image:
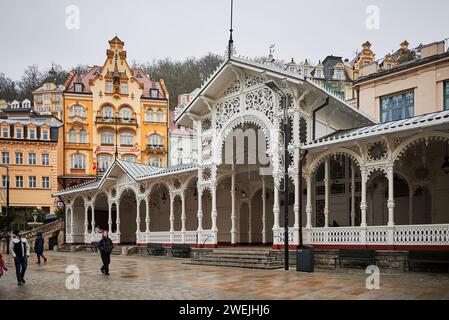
(377, 151)
(251, 80)
(233, 88)
(261, 100)
(206, 124)
(226, 110)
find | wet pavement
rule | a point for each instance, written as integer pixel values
(144, 277)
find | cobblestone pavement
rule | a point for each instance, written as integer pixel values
(143, 277)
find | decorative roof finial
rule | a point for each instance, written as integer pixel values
(231, 41)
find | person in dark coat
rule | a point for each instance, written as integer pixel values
(20, 251)
(105, 246)
(39, 247)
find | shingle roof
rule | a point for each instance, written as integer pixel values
(422, 121)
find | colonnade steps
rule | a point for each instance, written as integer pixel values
(240, 257)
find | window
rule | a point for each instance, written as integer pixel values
(18, 133)
(47, 96)
(126, 139)
(183, 100)
(339, 74)
(5, 157)
(32, 134)
(179, 161)
(46, 182)
(31, 159)
(46, 107)
(130, 158)
(319, 74)
(57, 107)
(397, 107)
(4, 181)
(149, 115)
(154, 93)
(39, 98)
(83, 136)
(78, 87)
(125, 113)
(446, 95)
(32, 182)
(103, 162)
(107, 138)
(179, 142)
(19, 181)
(77, 111)
(160, 116)
(72, 136)
(155, 141)
(155, 162)
(108, 86)
(44, 134)
(5, 132)
(19, 158)
(78, 161)
(45, 159)
(57, 97)
(107, 112)
(124, 88)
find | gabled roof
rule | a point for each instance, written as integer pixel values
(418, 122)
(213, 87)
(137, 171)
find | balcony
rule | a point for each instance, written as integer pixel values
(77, 117)
(115, 119)
(155, 148)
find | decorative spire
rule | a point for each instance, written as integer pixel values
(231, 41)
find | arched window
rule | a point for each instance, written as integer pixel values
(149, 115)
(130, 158)
(107, 138)
(160, 116)
(72, 136)
(104, 161)
(77, 111)
(155, 141)
(107, 112)
(83, 136)
(155, 162)
(126, 138)
(78, 161)
(126, 113)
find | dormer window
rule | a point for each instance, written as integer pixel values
(154, 93)
(339, 75)
(47, 86)
(78, 87)
(139, 76)
(19, 133)
(5, 132)
(32, 134)
(44, 134)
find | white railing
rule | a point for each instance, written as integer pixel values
(423, 235)
(436, 235)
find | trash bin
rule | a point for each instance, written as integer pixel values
(124, 251)
(305, 259)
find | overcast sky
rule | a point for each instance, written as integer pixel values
(36, 32)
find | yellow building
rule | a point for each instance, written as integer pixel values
(48, 99)
(31, 148)
(113, 111)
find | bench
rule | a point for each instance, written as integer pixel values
(436, 257)
(361, 255)
(93, 247)
(180, 250)
(153, 249)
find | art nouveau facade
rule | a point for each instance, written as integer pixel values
(381, 185)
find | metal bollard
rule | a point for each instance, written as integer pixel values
(55, 248)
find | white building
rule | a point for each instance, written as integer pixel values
(362, 184)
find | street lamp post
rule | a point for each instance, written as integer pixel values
(273, 86)
(7, 206)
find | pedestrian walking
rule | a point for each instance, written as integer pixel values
(20, 251)
(39, 247)
(2, 266)
(105, 246)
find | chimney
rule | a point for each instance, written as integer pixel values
(432, 49)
